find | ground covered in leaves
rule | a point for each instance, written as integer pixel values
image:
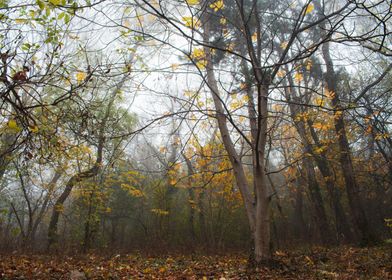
(316, 263)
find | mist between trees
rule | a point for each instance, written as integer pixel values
(195, 125)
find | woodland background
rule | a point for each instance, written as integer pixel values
(195, 126)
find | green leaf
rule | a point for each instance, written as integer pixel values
(61, 15)
(67, 18)
(47, 11)
(55, 2)
(40, 4)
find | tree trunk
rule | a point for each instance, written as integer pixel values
(313, 186)
(301, 231)
(352, 187)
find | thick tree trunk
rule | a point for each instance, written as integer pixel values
(262, 231)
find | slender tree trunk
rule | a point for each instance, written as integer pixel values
(343, 228)
(352, 188)
(257, 206)
(192, 198)
(342, 225)
(299, 221)
(313, 186)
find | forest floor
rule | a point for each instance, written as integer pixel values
(315, 263)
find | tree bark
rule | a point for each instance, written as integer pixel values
(352, 188)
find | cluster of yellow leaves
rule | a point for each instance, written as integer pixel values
(230, 47)
(381, 136)
(80, 76)
(218, 5)
(200, 58)
(298, 77)
(320, 101)
(174, 172)
(238, 102)
(191, 22)
(132, 190)
(198, 53)
(302, 116)
(322, 126)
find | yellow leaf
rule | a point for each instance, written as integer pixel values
(329, 94)
(34, 129)
(309, 260)
(230, 47)
(337, 114)
(201, 64)
(191, 22)
(284, 45)
(245, 98)
(174, 66)
(218, 5)
(298, 77)
(223, 20)
(189, 93)
(309, 8)
(254, 37)
(281, 73)
(12, 124)
(20, 20)
(319, 150)
(172, 182)
(308, 64)
(320, 102)
(80, 76)
(192, 2)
